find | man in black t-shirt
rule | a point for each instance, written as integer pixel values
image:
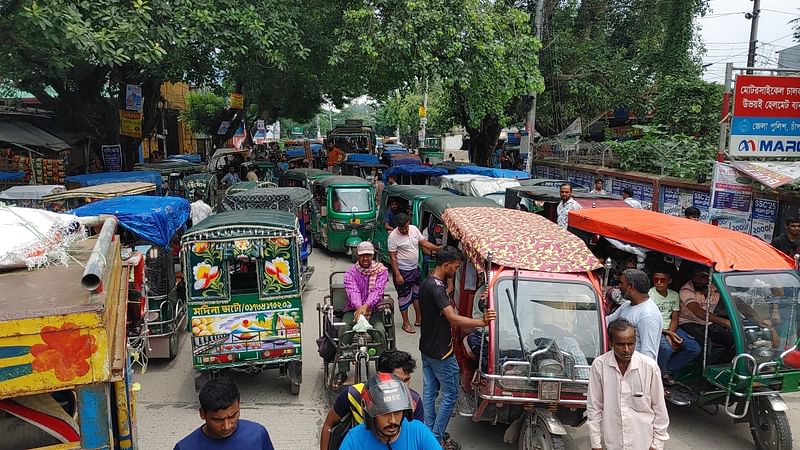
(791, 234)
(439, 366)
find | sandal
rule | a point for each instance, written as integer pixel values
(338, 381)
(409, 329)
(418, 324)
(449, 444)
(668, 380)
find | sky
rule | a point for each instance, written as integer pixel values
(725, 32)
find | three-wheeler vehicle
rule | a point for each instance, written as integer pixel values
(206, 184)
(243, 288)
(544, 200)
(30, 195)
(414, 174)
(75, 198)
(408, 200)
(93, 179)
(295, 200)
(752, 284)
(478, 186)
(266, 170)
(301, 177)
(355, 348)
(225, 156)
(431, 150)
(151, 225)
(65, 374)
(172, 172)
(532, 363)
(344, 213)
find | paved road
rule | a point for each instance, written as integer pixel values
(167, 403)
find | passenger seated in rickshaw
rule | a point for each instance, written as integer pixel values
(364, 283)
(391, 211)
(476, 343)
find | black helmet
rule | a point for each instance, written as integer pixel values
(384, 393)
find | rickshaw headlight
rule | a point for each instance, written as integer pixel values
(337, 226)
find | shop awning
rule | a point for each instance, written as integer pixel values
(23, 133)
(773, 174)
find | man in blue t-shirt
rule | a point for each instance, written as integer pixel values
(387, 410)
(223, 430)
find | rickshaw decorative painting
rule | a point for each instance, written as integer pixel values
(208, 272)
(279, 270)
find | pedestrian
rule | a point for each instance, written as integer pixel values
(790, 234)
(223, 430)
(625, 406)
(598, 187)
(199, 209)
(440, 370)
(386, 402)
(231, 177)
(627, 197)
(692, 213)
(566, 205)
(403, 243)
(639, 310)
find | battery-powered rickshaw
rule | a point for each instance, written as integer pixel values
(753, 286)
(532, 363)
(150, 225)
(291, 199)
(244, 294)
(478, 186)
(172, 173)
(344, 213)
(75, 198)
(206, 184)
(93, 179)
(30, 196)
(266, 170)
(544, 200)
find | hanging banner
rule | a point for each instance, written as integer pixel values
(133, 97)
(766, 116)
(130, 123)
(765, 213)
(671, 201)
(112, 157)
(770, 173)
(731, 198)
(236, 100)
(223, 127)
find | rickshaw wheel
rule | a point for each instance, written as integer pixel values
(770, 428)
(173, 345)
(535, 436)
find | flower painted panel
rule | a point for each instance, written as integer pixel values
(208, 278)
(279, 268)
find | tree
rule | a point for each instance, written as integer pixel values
(85, 52)
(689, 105)
(481, 51)
(402, 109)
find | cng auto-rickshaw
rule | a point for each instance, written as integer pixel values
(149, 225)
(531, 364)
(243, 287)
(295, 200)
(751, 280)
(408, 200)
(344, 213)
(301, 177)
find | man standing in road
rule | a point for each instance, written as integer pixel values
(627, 197)
(223, 430)
(439, 367)
(790, 234)
(199, 209)
(404, 243)
(625, 407)
(639, 310)
(566, 205)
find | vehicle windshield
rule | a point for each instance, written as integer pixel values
(561, 312)
(768, 305)
(351, 200)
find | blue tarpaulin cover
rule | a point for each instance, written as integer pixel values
(494, 173)
(363, 158)
(155, 219)
(299, 152)
(93, 179)
(412, 170)
(190, 158)
(11, 176)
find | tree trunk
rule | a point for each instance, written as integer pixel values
(484, 139)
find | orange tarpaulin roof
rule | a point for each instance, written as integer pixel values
(688, 239)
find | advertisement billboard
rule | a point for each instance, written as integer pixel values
(766, 116)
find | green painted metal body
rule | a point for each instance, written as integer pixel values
(332, 225)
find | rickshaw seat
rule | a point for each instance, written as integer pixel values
(338, 297)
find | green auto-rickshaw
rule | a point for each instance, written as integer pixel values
(301, 177)
(408, 200)
(244, 294)
(345, 212)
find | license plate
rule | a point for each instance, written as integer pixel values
(355, 221)
(549, 390)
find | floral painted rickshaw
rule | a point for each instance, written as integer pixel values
(244, 294)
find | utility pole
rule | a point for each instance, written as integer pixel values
(530, 124)
(751, 50)
(423, 117)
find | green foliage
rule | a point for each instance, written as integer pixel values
(402, 109)
(689, 106)
(674, 155)
(205, 111)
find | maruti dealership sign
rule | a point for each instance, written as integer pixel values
(766, 116)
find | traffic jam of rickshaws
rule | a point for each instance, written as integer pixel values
(540, 278)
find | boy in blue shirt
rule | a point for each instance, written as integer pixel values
(223, 430)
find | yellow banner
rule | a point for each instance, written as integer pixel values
(237, 100)
(130, 123)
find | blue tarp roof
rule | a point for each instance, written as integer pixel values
(155, 219)
(394, 150)
(93, 179)
(494, 173)
(363, 158)
(11, 176)
(190, 158)
(412, 170)
(298, 152)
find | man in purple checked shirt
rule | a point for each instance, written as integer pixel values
(364, 283)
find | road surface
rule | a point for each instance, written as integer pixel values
(167, 404)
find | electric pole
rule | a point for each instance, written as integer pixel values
(751, 50)
(530, 124)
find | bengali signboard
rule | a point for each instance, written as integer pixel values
(112, 157)
(133, 97)
(547, 172)
(584, 179)
(641, 191)
(236, 100)
(766, 116)
(731, 198)
(765, 213)
(130, 123)
(702, 201)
